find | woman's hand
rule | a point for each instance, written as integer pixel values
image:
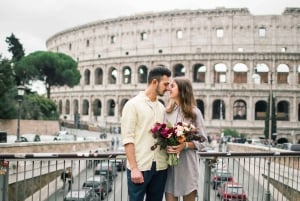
(175, 149)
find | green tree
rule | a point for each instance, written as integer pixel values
(38, 107)
(273, 120)
(15, 47)
(56, 69)
(8, 108)
(230, 132)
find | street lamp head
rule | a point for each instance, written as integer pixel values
(21, 90)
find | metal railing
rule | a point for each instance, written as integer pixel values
(54, 177)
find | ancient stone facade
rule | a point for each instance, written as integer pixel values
(234, 59)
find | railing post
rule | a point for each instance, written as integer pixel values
(4, 180)
(207, 174)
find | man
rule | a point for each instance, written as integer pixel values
(147, 169)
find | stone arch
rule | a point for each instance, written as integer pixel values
(142, 73)
(220, 70)
(218, 109)
(239, 110)
(282, 73)
(123, 102)
(112, 75)
(87, 77)
(75, 106)
(260, 110)
(262, 70)
(85, 107)
(200, 105)
(67, 109)
(282, 111)
(98, 76)
(111, 107)
(199, 71)
(60, 106)
(126, 72)
(240, 73)
(97, 107)
(178, 70)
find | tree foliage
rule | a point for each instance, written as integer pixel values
(230, 132)
(273, 120)
(15, 47)
(38, 108)
(56, 69)
(8, 108)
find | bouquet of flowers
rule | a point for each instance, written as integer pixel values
(168, 135)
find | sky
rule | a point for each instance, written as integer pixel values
(34, 21)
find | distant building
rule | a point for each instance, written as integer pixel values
(232, 57)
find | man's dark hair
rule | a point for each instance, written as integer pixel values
(157, 72)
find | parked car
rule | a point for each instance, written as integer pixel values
(99, 184)
(82, 195)
(231, 191)
(107, 169)
(64, 136)
(120, 164)
(220, 176)
(291, 147)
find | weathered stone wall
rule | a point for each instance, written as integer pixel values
(39, 127)
(54, 147)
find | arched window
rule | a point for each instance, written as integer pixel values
(75, 107)
(111, 107)
(67, 106)
(218, 109)
(282, 74)
(200, 105)
(98, 76)
(220, 73)
(144, 36)
(282, 111)
(87, 75)
(239, 110)
(142, 74)
(240, 73)
(97, 107)
(123, 102)
(199, 73)
(262, 70)
(126, 75)
(112, 75)
(179, 34)
(85, 107)
(179, 70)
(260, 110)
(60, 106)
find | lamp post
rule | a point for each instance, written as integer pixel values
(268, 193)
(21, 91)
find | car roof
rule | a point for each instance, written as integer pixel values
(77, 193)
(233, 184)
(96, 178)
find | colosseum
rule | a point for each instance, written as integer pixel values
(234, 59)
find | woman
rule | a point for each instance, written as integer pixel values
(183, 178)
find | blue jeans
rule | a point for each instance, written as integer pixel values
(153, 186)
